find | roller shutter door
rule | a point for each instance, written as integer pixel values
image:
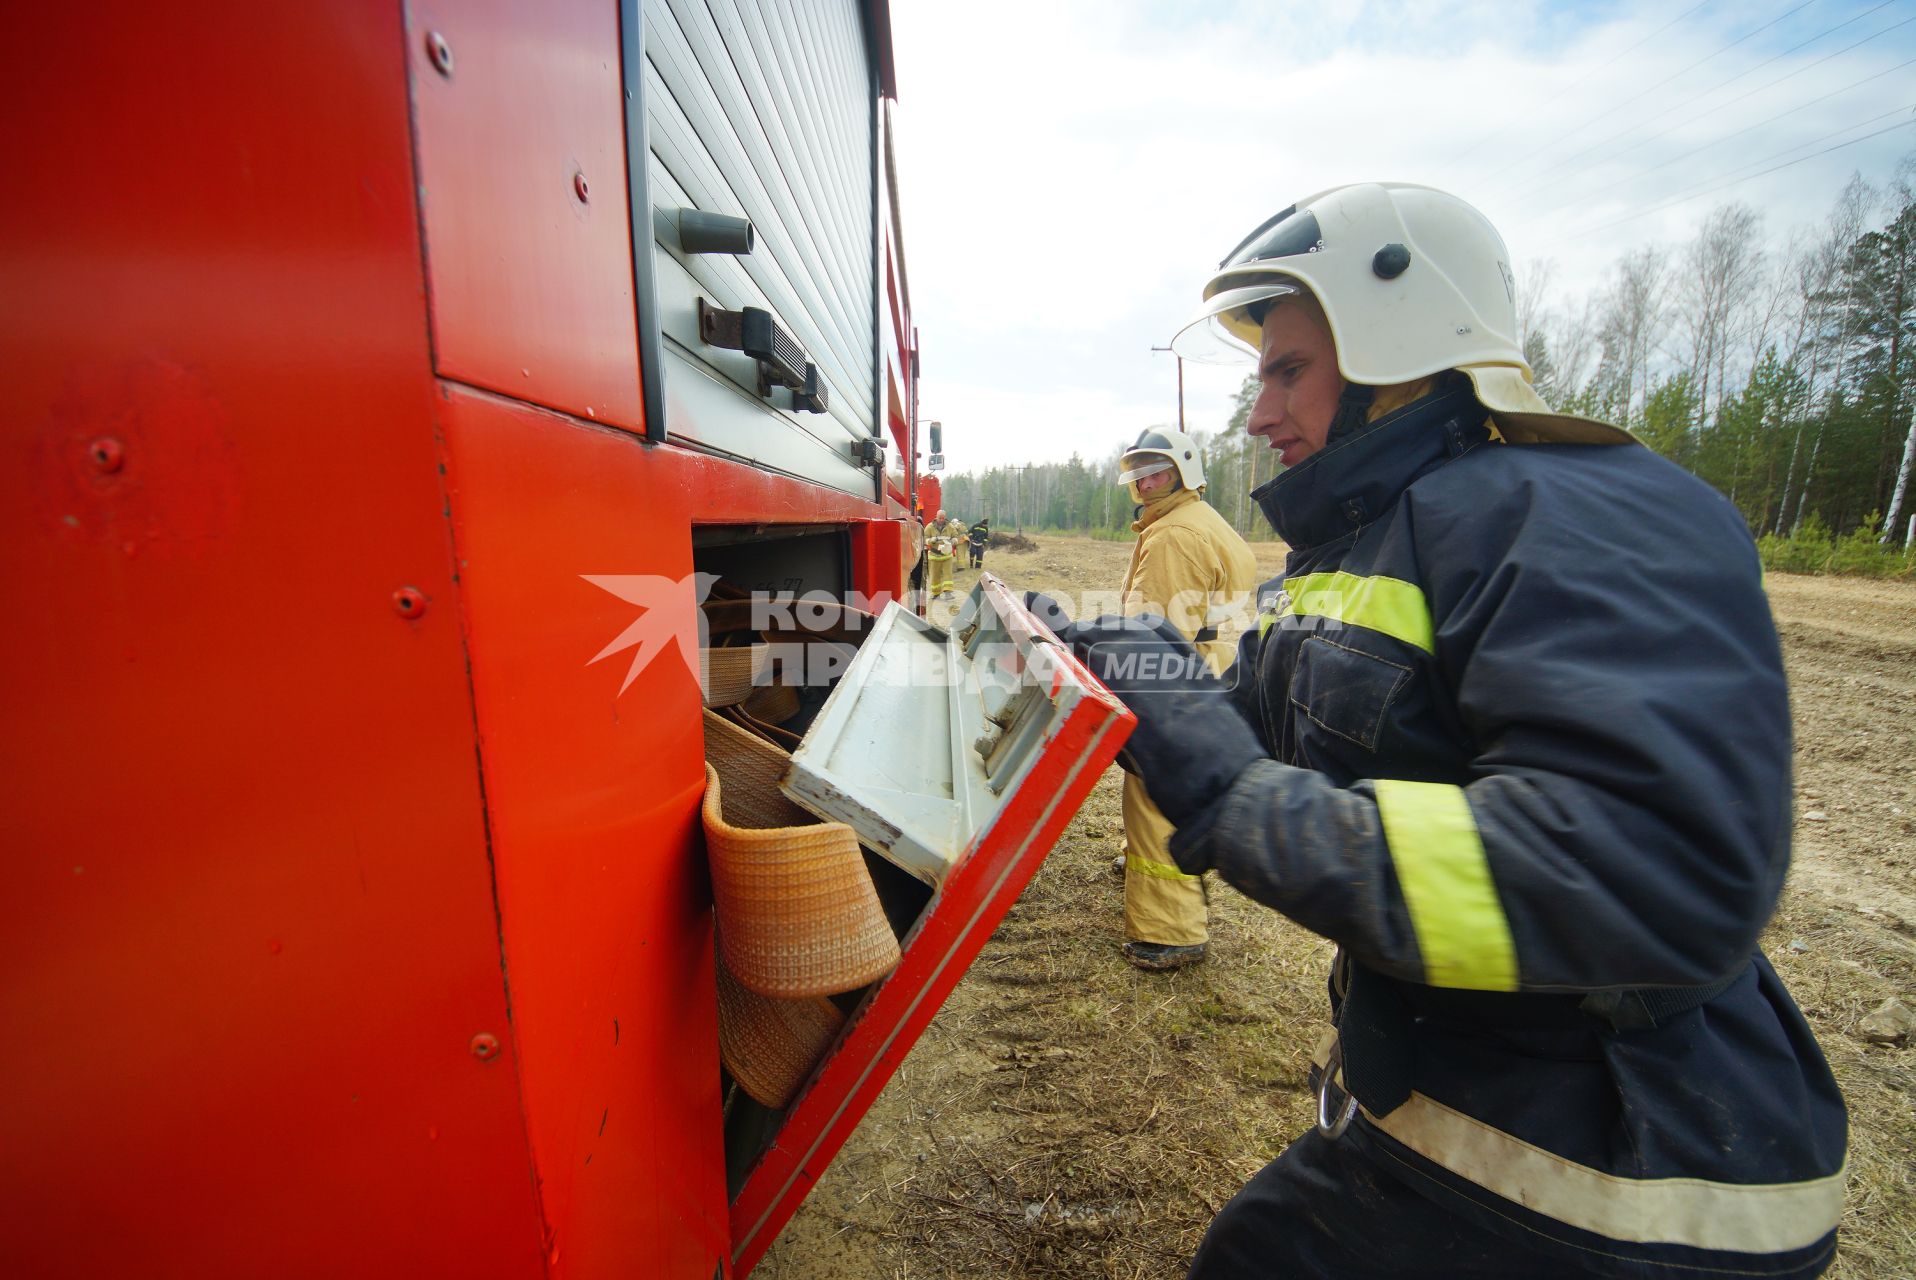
(766, 108)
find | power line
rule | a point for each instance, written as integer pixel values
(1641, 174)
(1526, 194)
(1658, 85)
(1808, 66)
(1685, 198)
(1723, 181)
(1486, 139)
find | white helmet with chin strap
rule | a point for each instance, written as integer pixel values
(1412, 280)
(1159, 449)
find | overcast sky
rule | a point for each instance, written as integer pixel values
(1071, 171)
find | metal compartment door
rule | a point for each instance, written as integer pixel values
(1004, 745)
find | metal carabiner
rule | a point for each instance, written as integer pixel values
(1334, 1128)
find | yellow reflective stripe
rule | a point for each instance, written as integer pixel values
(1156, 870)
(1445, 877)
(1265, 621)
(1390, 605)
(1733, 1217)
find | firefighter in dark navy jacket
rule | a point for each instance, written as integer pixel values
(1511, 730)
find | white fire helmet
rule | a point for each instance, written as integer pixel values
(1413, 282)
(1160, 449)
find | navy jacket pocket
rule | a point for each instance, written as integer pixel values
(1345, 690)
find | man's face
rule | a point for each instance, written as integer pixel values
(1298, 381)
(1152, 485)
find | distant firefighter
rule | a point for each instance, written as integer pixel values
(1191, 568)
(977, 538)
(940, 545)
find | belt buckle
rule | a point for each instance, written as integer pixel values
(1333, 1127)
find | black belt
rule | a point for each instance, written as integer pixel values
(1634, 1009)
(1377, 1030)
(1642, 1008)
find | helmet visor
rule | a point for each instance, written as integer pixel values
(1141, 465)
(1222, 331)
(1284, 236)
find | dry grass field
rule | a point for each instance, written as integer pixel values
(1068, 1116)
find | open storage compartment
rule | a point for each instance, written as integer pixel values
(956, 755)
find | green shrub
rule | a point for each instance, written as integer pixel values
(1806, 550)
(1813, 549)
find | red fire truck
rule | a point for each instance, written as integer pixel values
(357, 920)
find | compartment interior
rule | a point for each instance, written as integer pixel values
(743, 560)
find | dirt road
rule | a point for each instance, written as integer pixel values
(1066, 1115)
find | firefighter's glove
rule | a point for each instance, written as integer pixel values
(1048, 611)
(1191, 743)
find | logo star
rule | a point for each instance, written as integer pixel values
(658, 628)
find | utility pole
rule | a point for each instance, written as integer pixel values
(1180, 360)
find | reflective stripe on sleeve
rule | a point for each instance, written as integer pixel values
(1446, 882)
(1388, 605)
(1734, 1217)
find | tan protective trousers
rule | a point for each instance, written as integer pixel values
(1161, 903)
(937, 574)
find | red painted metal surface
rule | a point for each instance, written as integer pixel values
(567, 535)
(593, 788)
(956, 926)
(522, 179)
(895, 307)
(246, 914)
(930, 498)
(879, 565)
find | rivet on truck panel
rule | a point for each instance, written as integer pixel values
(409, 602)
(440, 52)
(106, 455)
(485, 1047)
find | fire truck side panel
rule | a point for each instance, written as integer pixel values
(249, 930)
(896, 340)
(931, 497)
(522, 191)
(878, 559)
(593, 788)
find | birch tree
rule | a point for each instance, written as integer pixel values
(1890, 278)
(1632, 318)
(1719, 275)
(1820, 338)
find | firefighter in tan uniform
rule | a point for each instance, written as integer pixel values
(1192, 568)
(939, 548)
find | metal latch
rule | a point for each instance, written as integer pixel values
(781, 361)
(869, 451)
